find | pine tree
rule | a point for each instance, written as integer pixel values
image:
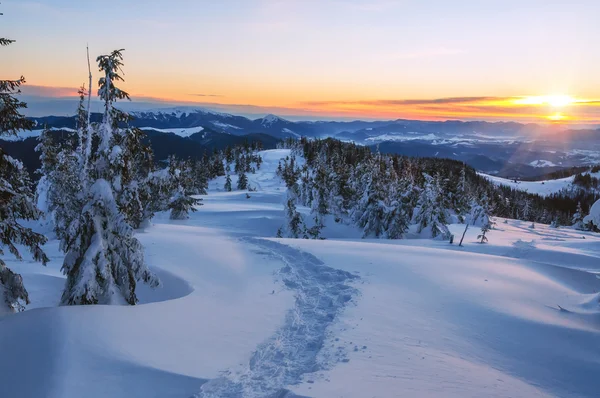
(134, 168)
(181, 202)
(242, 183)
(228, 183)
(16, 199)
(578, 217)
(484, 229)
(320, 196)
(527, 210)
(371, 208)
(59, 188)
(104, 261)
(485, 217)
(295, 227)
(432, 212)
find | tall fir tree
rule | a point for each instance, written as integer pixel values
(16, 199)
(181, 202)
(104, 261)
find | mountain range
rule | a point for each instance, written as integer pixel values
(507, 149)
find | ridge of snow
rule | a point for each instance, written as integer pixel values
(222, 125)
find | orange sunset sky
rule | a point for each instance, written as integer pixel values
(525, 60)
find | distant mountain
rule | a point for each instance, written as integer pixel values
(508, 149)
(163, 144)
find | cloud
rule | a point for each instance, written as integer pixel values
(44, 101)
(206, 95)
(392, 102)
(45, 91)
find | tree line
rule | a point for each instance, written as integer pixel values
(385, 195)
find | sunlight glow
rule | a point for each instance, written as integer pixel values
(557, 117)
(556, 101)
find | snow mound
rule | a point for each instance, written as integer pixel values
(594, 216)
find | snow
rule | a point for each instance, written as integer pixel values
(394, 137)
(23, 134)
(594, 216)
(224, 125)
(270, 119)
(542, 163)
(542, 188)
(242, 314)
(182, 132)
(178, 112)
(288, 131)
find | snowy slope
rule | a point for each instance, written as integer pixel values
(542, 188)
(241, 314)
(182, 132)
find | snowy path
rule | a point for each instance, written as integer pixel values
(297, 348)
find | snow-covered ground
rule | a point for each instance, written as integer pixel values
(241, 314)
(542, 188)
(182, 132)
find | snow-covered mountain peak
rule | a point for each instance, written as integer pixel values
(270, 119)
(177, 112)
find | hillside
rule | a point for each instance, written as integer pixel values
(542, 187)
(242, 314)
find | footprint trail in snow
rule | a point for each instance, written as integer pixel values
(297, 348)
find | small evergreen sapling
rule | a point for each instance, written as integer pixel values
(228, 183)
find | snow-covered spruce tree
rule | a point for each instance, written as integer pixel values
(59, 188)
(181, 202)
(227, 186)
(432, 212)
(242, 183)
(319, 205)
(295, 226)
(16, 200)
(49, 159)
(371, 210)
(398, 216)
(104, 261)
(578, 217)
(461, 198)
(527, 210)
(485, 218)
(200, 177)
(136, 164)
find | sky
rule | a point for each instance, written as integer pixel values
(525, 60)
